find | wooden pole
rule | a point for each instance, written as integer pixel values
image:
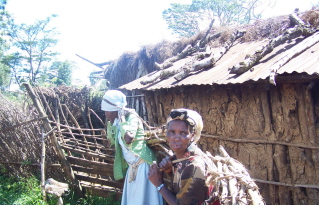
(64, 162)
(43, 165)
(260, 141)
(22, 123)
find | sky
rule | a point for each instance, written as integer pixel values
(101, 30)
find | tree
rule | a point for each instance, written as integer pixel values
(33, 45)
(185, 20)
(60, 72)
(4, 77)
(4, 69)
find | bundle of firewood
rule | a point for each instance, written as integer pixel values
(232, 182)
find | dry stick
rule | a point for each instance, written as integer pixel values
(43, 165)
(84, 147)
(75, 128)
(226, 171)
(31, 111)
(91, 125)
(50, 132)
(83, 111)
(101, 147)
(232, 182)
(56, 114)
(86, 150)
(252, 187)
(65, 131)
(204, 40)
(310, 186)
(75, 122)
(255, 197)
(86, 135)
(231, 161)
(296, 20)
(64, 118)
(65, 163)
(223, 182)
(151, 78)
(46, 103)
(162, 74)
(242, 197)
(103, 131)
(22, 123)
(90, 122)
(259, 141)
(190, 66)
(188, 50)
(81, 132)
(210, 61)
(32, 164)
(97, 117)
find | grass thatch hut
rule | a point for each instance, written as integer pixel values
(258, 95)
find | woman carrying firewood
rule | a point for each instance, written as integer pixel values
(189, 171)
(132, 156)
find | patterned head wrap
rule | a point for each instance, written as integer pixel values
(113, 100)
(192, 117)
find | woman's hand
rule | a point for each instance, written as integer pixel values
(155, 175)
(166, 165)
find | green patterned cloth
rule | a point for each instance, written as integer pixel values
(138, 146)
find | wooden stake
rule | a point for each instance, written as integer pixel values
(43, 165)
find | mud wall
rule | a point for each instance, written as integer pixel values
(272, 130)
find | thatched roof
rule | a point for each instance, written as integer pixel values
(140, 65)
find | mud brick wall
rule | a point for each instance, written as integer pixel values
(272, 130)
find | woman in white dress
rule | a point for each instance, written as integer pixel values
(132, 156)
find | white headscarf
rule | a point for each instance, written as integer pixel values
(113, 100)
(191, 116)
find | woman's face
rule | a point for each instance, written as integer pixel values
(111, 115)
(178, 136)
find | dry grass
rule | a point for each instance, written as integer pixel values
(311, 17)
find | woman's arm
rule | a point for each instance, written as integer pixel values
(129, 128)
